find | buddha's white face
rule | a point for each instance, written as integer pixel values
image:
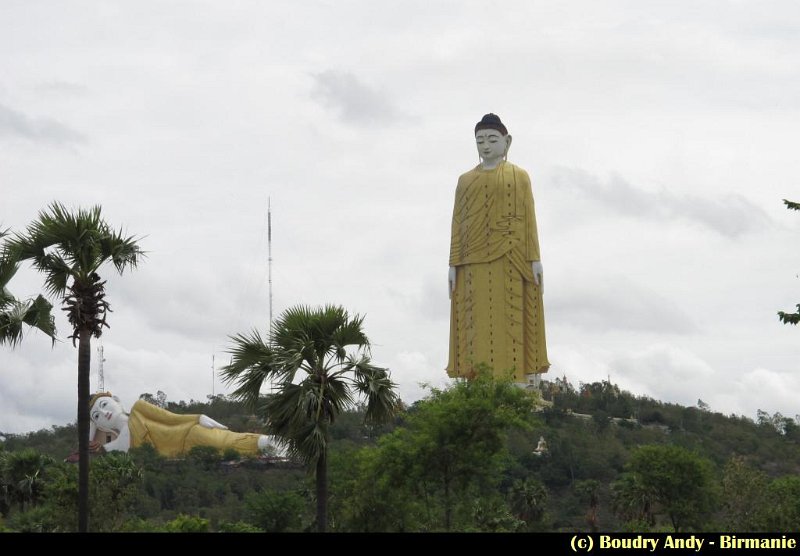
(492, 145)
(106, 413)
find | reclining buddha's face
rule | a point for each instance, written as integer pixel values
(106, 413)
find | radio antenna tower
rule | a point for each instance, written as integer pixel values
(212, 375)
(269, 260)
(101, 383)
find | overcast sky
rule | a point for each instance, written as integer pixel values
(660, 138)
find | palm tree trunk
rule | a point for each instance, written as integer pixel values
(84, 369)
(322, 492)
(447, 508)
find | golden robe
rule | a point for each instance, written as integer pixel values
(496, 310)
(173, 435)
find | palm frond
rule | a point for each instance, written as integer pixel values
(350, 333)
(286, 409)
(11, 324)
(66, 245)
(315, 340)
(286, 365)
(289, 322)
(289, 415)
(791, 205)
(5, 298)
(294, 330)
(338, 328)
(375, 385)
(15, 314)
(57, 273)
(39, 315)
(44, 258)
(325, 331)
(789, 318)
(251, 365)
(8, 268)
(124, 252)
(336, 397)
(312, 441)
(301, 346)
(74, 235)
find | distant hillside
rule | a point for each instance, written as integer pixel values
(592, 433)
(770, 442)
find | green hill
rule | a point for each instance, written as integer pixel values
(463, 459)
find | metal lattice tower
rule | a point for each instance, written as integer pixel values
(101, 382)
(269, 260)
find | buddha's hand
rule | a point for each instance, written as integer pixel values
(209, 423)
(538, 274)
(451, 281)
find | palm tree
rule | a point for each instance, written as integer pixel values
(314, 378)
(528, 499)
(16, 313)
(634, 501)
(69, 248)
(21, 475)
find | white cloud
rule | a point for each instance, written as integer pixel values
(679, 375)
(17, 125)
(416, 374)
(352, 100)
(667, 372)
(59, 87)
(38, 385)
(730, 214)
(761, 388)
(618, 304)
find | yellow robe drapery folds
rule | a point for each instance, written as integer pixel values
(496, 311)
(173, 435)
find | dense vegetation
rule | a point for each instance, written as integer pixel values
(463, 459)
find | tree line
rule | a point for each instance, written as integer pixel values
(462, 459)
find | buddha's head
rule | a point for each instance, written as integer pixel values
(492, 140)
(106, 412)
